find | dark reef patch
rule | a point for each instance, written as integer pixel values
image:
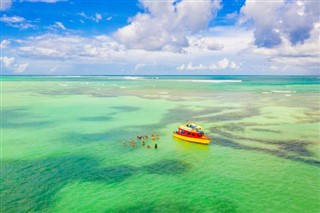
(12, 117)
(159, 207)
(288, 150)
(126, 108)
(167, 167)
(97, 119)
(30, 186)
(214, 205)
(266, 130)
(74, 137)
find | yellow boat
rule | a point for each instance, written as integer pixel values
(192, 133)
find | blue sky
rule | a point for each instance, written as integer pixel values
(152, 37)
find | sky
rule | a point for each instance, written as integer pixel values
(160, 37)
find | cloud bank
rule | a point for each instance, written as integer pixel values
(11, 64)
(220, 65)
(165, 24)
(270, 37)
(275, 20)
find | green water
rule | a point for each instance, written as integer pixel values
(62, 144)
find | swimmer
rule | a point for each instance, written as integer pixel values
(148, 147)
(133, 144)
(143, 143)
(156, 146)
(153, 137)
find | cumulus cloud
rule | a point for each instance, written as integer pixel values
(165, 24)
(304, 55)
(11, 64)
(273, 20)
(220, 65)
(207, 43)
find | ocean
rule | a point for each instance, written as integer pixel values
(65, 144)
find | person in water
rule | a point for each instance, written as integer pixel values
(156, 146)
(143, 143)
(148, 147)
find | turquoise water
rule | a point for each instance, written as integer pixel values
(65, 144)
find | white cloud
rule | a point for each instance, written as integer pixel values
(7, 61)
(57, 26)
(60, 25)
(97, 17)
(273, 20)
(17, 22)
(4, 43)
(300, 55)
(139, 66)
(51, 46)
(12, 19)
(5, 4)
(208, 43)
(109, 18)
(45, 1)
(220, 65)
(11, 64)
(165, 24)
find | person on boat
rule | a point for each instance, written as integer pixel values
(156, 146)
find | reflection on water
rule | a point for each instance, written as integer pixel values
(182, 145)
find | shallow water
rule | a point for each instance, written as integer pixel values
(63, 144)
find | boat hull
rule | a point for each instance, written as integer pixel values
(203, 140)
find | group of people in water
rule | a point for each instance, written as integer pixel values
(144, 138)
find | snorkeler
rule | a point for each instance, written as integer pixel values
(153, 137)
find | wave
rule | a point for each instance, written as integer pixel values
(133, 78)
(283, 91)
(209, 81)
(64, 85)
